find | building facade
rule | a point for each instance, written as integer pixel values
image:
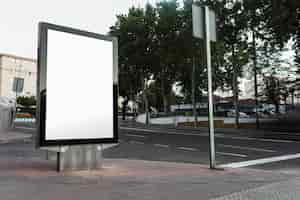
(17, 76)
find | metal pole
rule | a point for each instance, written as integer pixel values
(255, 78)
(194, 93)
(16, 103)
(210, 90)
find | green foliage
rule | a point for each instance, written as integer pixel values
(136, 48)
(156, 43)
(296, 47)
(275, 90)
(283, 22)
(26, 101)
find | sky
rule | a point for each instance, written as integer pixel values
(19, 19)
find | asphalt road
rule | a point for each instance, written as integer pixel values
(192, 146)
(166, 143)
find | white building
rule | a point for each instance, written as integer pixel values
(17, 76)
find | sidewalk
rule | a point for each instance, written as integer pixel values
(13, 135)
(25, 174)
(286, 190)
(128, 180)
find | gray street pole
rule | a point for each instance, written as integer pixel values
(205, 28)
(194, 92)
(210, 90)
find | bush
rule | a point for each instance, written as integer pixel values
(188, 114)
(26, 101)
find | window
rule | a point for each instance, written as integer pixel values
(18, 84)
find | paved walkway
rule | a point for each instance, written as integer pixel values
(25, 174)
(36, 179)
(287, 190)
(12, 135)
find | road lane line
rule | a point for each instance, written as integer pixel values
(254, 139)
(218, 135)
(261, 161)
(26, 128)
(161, 145)
(232, 154)
(187, 149)
(136, 142)
(139, 136)
(276, 140)
(161, 132)
(246, 148)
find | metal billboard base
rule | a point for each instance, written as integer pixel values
(76, 158)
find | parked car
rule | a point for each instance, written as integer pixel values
(231, 113)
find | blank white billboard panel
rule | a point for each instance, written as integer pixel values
(80, 99)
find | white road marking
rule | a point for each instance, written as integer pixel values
(261, 161)
(164, 132)
(27, 140)
(187, 149)
(161, 145)
(276, 140)
(254, 139)
(247, 148)
(202, 135)
(3, 141)
(26, 128)
(139, 136)
(232, 154)
(136, 142)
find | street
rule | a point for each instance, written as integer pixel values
(192, 146)
(155, 162)
(234, 148)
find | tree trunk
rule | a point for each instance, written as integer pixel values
(132, 105)
(235, 89)
(145, 101)
(293, 100)
(276, 107)
(285, 105)
(147, 109)
(165, 100)
(164, 96)
(123, 111)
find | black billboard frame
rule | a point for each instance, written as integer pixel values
(42, 87)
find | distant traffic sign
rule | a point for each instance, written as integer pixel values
(198, 23)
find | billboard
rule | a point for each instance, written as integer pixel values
(77, 87)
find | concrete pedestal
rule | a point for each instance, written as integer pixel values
(5, 118)
(72, 158)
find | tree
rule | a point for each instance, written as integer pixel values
(256, 24)
(296, 48)
(281, 18)
(156, 43)
(191, 75)
(232, 23)
(136, 51)
(271, 92)
(277, 82)
(167, 30)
